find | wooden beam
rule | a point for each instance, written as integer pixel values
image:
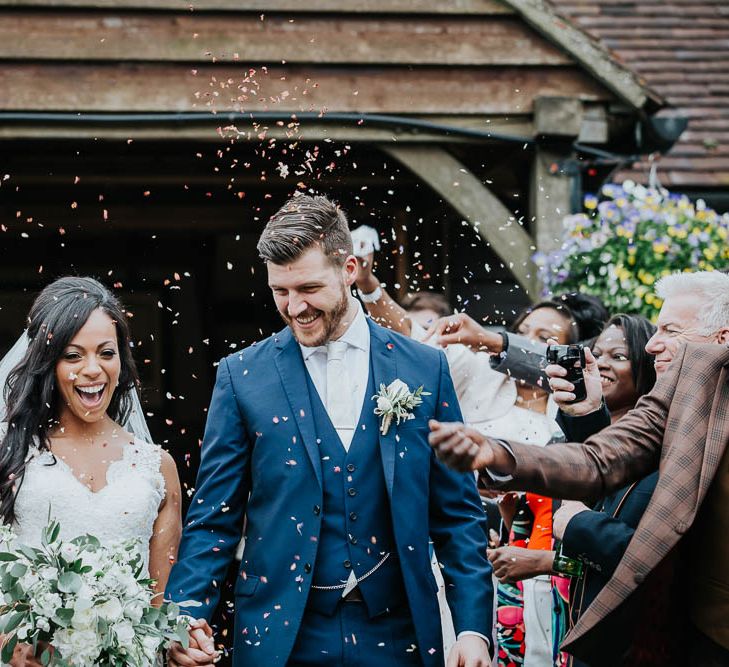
(558, 117)
(395, 90)
(308, 131)
(244, 38)
(616, 77)
(470, 7)
(550, 197)
(476, 203)
(552, 183)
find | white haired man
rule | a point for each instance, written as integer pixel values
(681, 426)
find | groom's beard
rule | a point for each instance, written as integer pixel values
(327, 324)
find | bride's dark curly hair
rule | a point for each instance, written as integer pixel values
(31, 398)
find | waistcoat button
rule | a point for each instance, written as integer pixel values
(352, 492)
(347, 564)
(353, 516)
(351, 467)
(307, 568)
(317, 510)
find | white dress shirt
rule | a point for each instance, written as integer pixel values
(357, 361)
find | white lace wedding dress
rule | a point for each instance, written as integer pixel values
(126, 507)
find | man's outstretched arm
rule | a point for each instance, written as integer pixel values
(618, 455)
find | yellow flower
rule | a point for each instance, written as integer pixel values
(646, 278)
(631, 260)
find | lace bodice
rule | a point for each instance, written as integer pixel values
(125, 508)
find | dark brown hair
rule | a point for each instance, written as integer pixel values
(302, 223)
(427, 301)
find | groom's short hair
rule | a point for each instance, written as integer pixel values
(304, 222)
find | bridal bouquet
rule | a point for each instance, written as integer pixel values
(629, 238)
(90, 603)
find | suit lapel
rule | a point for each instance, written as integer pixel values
(384, 369)
(291, 368)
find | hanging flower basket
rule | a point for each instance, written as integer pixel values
(627, 240)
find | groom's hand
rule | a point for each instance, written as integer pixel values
(201, 650)
(469, 651)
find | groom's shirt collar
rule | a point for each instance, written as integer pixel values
(357, 335)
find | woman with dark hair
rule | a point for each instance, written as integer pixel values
(599, 537)
(66, 448)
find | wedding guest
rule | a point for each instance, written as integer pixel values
(683, 424)
(518, 356)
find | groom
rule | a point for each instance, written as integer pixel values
(338, 510)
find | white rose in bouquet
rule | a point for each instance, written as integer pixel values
(82, 646)
(134, 611)
(111, 610)
(124, 632)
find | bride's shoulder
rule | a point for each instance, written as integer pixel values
(155, 460)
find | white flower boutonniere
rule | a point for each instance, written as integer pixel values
(396, 401)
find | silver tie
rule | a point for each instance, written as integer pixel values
(339, 393)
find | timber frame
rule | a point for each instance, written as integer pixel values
(509, 70)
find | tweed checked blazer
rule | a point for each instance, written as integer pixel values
(681, 428)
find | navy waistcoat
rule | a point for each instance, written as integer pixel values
(356, 528)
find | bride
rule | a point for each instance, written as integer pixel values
(73, 439)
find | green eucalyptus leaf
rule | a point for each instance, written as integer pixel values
(18, 570)
(183, 636)
(12, 621)
(63, 616)
(69, 582)
(29, 552)
(7, 653)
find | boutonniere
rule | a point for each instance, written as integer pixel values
(396, 401)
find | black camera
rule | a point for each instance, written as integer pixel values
(572, 359)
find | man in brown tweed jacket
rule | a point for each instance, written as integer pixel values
(681, 428)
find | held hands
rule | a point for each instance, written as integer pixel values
(23, 656)
(516, 563)
(566, 512)
(469, 651)
(464, 330)
(562, 389)
(201, 651)
(460, 447)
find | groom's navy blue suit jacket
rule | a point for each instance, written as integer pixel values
(261, 461)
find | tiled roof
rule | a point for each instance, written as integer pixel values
(681, 49)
